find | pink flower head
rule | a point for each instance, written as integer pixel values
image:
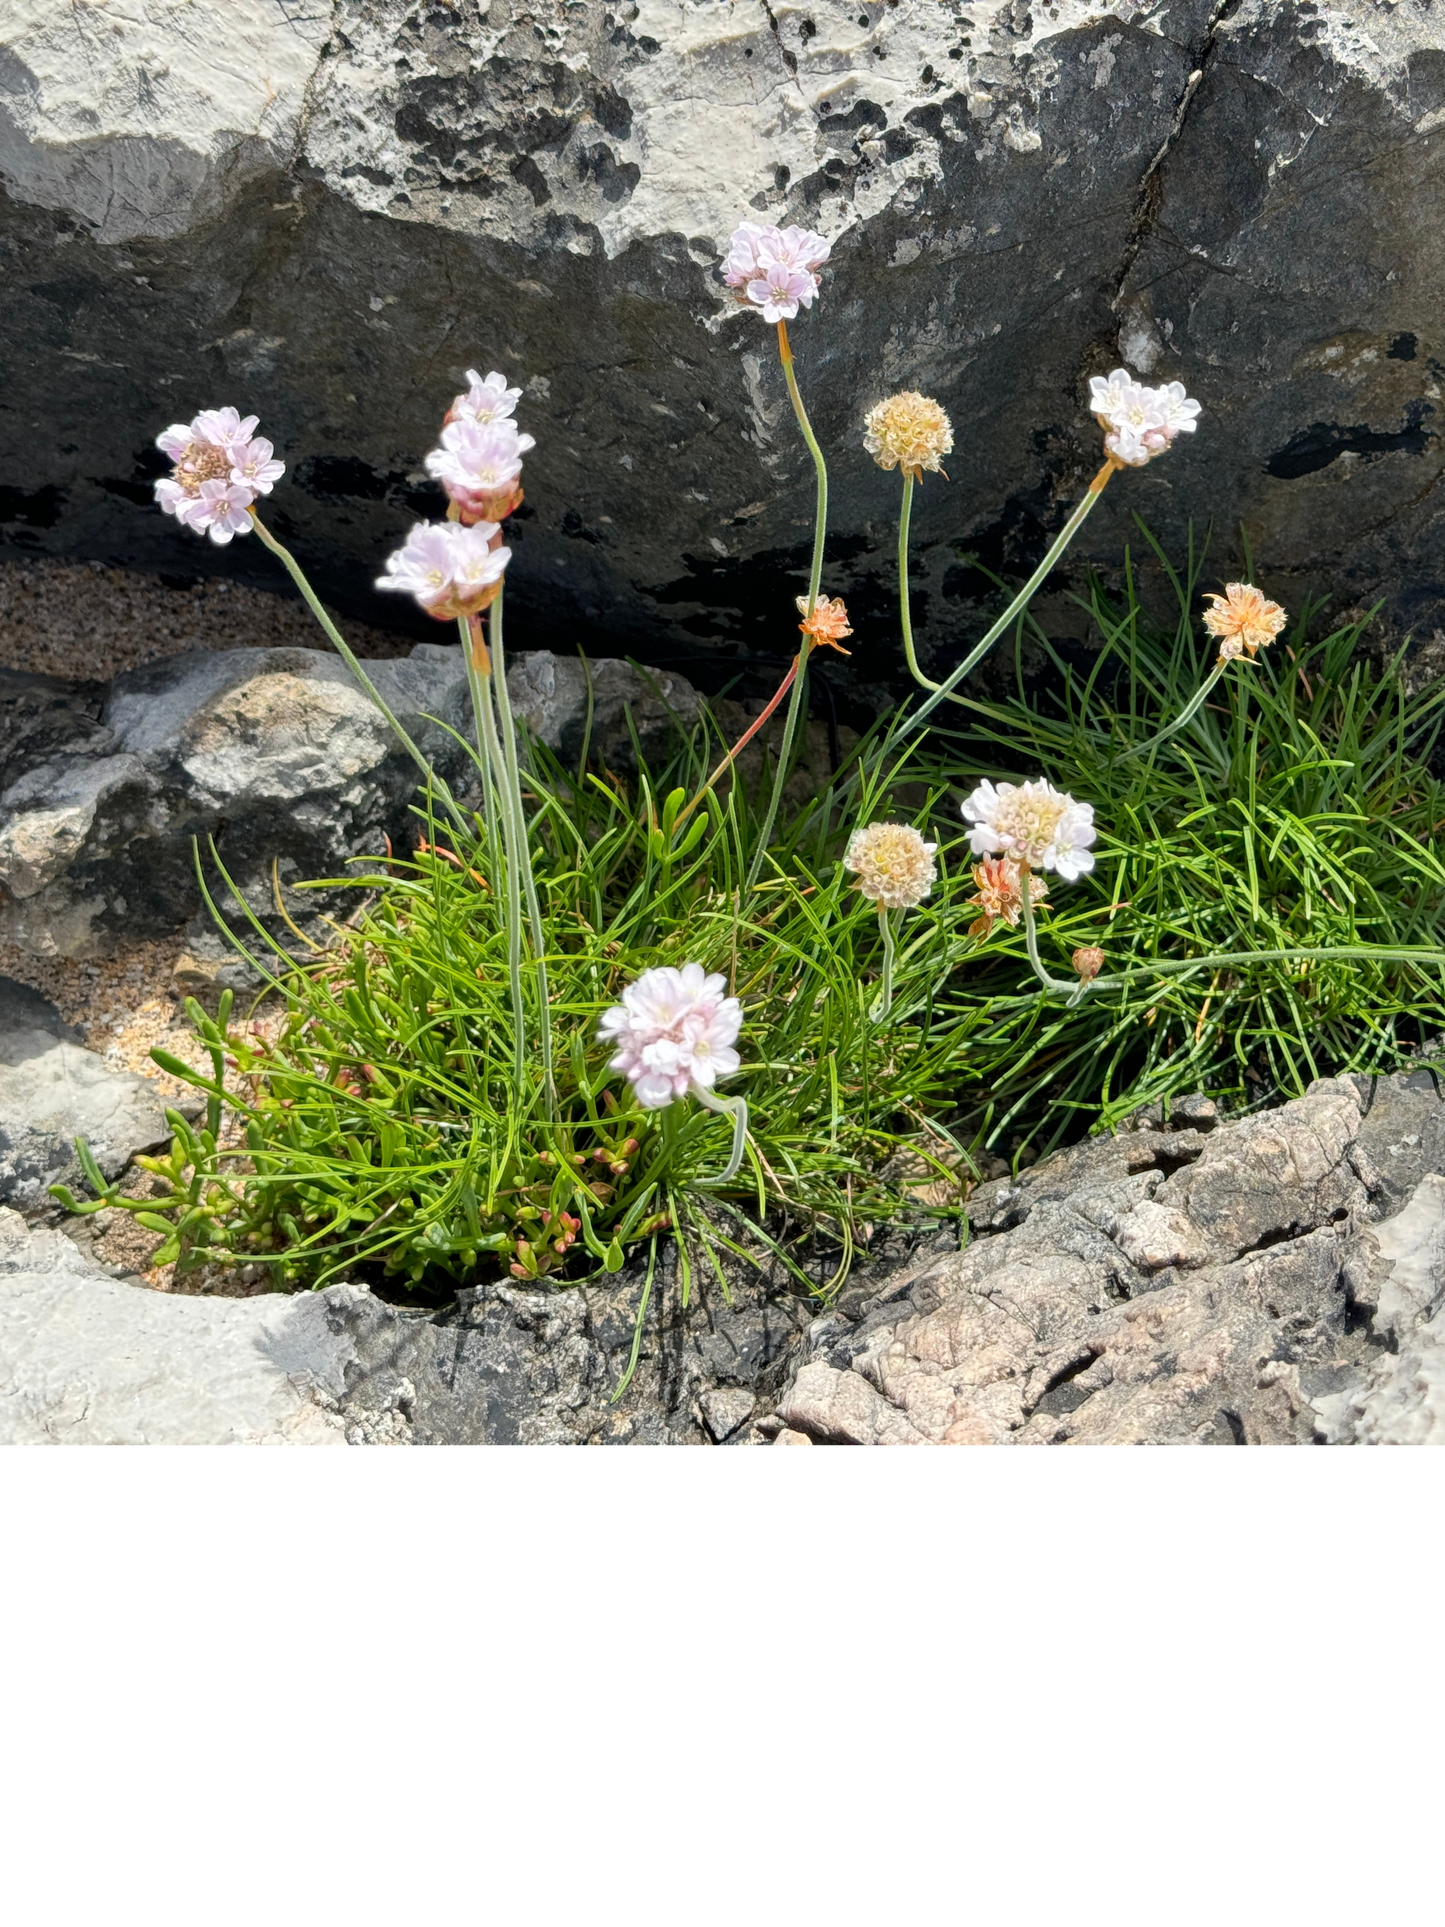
(219, 471)
(775, 269)
(478, 465)
(674, 1031)
(780, 290)
(220, 508)
(252, 465)
(485, 401)
(224, 426)
(451, 568)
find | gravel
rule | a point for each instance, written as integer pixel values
(85, 620)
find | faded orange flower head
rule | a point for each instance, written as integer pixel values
(999, 896)
(828, 622)
(1243, 620)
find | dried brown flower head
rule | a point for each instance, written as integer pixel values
(999, 896)
(828, 622)
(1243, 620)
(894, 865)
(1088, 961)
(908, 431)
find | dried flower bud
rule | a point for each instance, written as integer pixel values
(827, 624)
(1000, 896)
(908, 431)
(1243, 620)
(1088, 962)
(894, 865)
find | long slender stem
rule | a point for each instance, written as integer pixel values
(294, 570)
(737, 1109)
(529, 882)
(492, 755)
(1020, 602)
(815, 577)
(884, 1001)
(1031, 939)
(905, 515)
(738, 747)
(1186, 715)
(479, 669)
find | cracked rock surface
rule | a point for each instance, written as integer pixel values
(89, 1358)
(325, 210)
(1274, 1281)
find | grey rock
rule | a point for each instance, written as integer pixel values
(1244, 1292)
(51, 1092)
(333, 211)
(87, 1358)
(280, 757)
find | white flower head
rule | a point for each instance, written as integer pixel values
(1140, 422)
(674, 1031)
(485, 401)
(478, 464)
(1034, 824)
(450, 568)
(775, 269)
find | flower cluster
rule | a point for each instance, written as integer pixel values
(1032, 823)
(775, 269)
(455, 568)
(1138, 422)
(827, 624)
(999, 894)
(451, 569)
(1243, 621)
(893, 864)
(908, 431)
(674, 1031)
(220, 466)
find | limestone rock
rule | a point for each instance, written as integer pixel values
(379, 195)
(51, 1092)
(1239, 1288)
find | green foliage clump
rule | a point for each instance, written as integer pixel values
(382, 1125)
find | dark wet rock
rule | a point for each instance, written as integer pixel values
(330, 225)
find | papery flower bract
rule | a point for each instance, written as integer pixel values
(1140, 422)
(450, 568)
(1033, 823)
(894, 865)
(674, 1031)
(485, 401)
(828, 623)
(908, 431)
(253, 465)
(478, 464)
(998, 894)
(1088, 961)
(1243, 619)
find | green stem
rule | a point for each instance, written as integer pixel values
(737, 1109)
(1020, 602)
(293, 569)
(477, 680)
(904, 517)
(1031, 939)
(516, 857)
(884, 1001)
(529, 882)
(815, 577)
(1186, 715)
